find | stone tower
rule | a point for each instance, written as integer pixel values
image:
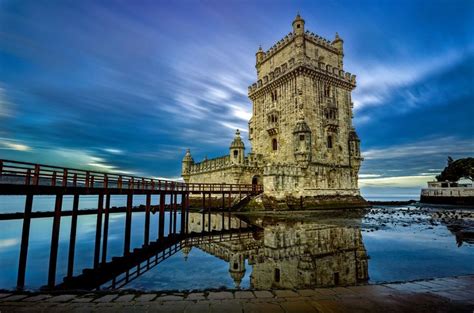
(301, 125)
(304, 147)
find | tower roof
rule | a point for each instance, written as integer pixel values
(187, 156)
(298, 18)
(237, 142)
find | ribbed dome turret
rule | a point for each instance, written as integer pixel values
(237, 142)
(188, 157)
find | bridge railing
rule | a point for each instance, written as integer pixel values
(24, 173)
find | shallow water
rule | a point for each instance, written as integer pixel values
(296, 250)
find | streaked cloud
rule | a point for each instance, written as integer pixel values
(396, 181)
(440, 146)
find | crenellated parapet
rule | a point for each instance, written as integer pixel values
(290, 69)
(211, 164)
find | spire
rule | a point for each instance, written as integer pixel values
(337, 38)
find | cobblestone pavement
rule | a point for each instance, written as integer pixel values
(453, 294)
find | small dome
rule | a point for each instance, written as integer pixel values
(237, 142)
(187, 156)
(298, 18)
(301, 126)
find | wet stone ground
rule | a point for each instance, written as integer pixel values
(455, 294)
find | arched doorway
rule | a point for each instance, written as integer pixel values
(256, 180)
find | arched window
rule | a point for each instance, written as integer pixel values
(236, 153)
(329, 142)
(274, 144)
(301, 137)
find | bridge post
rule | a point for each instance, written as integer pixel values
(106, 228)
(25, 236)
(223, 209)
(147, 219)
(128, 223)
(161, 222)
(203, 211)
(53, 256)
(175, 209)
(98, 229)
(209, 213)
(72, 236)
(183, 212)
(170, 226)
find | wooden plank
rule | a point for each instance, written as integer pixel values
(72, 236)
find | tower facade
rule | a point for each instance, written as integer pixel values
(301, 125)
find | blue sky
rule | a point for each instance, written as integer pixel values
(128, 85)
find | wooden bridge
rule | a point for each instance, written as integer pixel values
(30, 180)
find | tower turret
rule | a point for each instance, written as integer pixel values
(302, 142)
(237, 149)
(338, 43)
(237, 268)
(186, 164)
(259, 55)
(298, 25)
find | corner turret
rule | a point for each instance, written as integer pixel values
(237, 149)
(338, 43)
(298, 25)
(302, 142)
(259, 55)
(186, 164)
(237, 268)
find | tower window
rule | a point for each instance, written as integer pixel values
(301, 137)
(236, 266)
(329, 142)
(236, 153)
(274, 144)
(297, 25)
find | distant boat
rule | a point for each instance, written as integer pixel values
(448, 193)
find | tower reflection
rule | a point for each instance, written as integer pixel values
(288, 254)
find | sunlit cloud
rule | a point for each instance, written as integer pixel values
(369, 175)
(396, 181)
(113, 151)
(8, 144)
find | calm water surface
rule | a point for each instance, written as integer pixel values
(296, 250)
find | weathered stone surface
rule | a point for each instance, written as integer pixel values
(146, 297)
(37, 298)
(220, 295)
(106, 298)
(285, 293)
(169, 298)
(195, 296)
(244, 295)
(125, 298)
(263, 294)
